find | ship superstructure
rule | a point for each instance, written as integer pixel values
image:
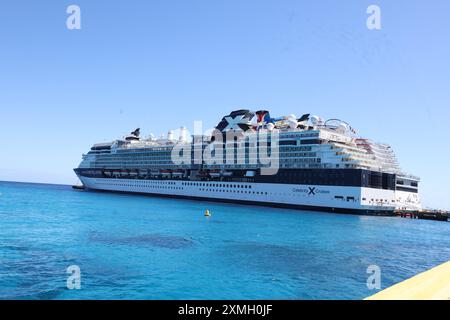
(304, 163)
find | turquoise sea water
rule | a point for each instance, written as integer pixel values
(137, 247)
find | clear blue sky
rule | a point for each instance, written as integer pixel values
(162, 64)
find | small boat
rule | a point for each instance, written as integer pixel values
(215, 173)
(142, 173)
(227, 174)
(166, 173)
(133, 173)
(178, 174)
(116, 173)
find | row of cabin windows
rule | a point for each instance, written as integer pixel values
(235, 191)
(342, 198)
(301, 160)
(413, 183)
(217, 185)
(140, 185)
(167, 154)
(304, 135)
(155, 182)
(377, 200)
(151, 182)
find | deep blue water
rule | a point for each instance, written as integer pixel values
(139, 247)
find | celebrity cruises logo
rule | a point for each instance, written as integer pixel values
(311, 191)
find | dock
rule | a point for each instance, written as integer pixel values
(438, 215)
(433, 284)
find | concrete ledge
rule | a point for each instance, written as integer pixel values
(433, 284)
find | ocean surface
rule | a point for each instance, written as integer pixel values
(138, 247)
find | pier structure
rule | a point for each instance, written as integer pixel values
(429, 214)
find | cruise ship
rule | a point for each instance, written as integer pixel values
(305, 163)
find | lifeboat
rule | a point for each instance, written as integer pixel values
(178, 174)
(202, 174)
(142, 173)
(166, 173)
(215, 173)
(155, 173)
(133, 173)
(115, 173)
(227, 174)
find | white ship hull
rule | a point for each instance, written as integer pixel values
(323, 198)
(408, 201)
